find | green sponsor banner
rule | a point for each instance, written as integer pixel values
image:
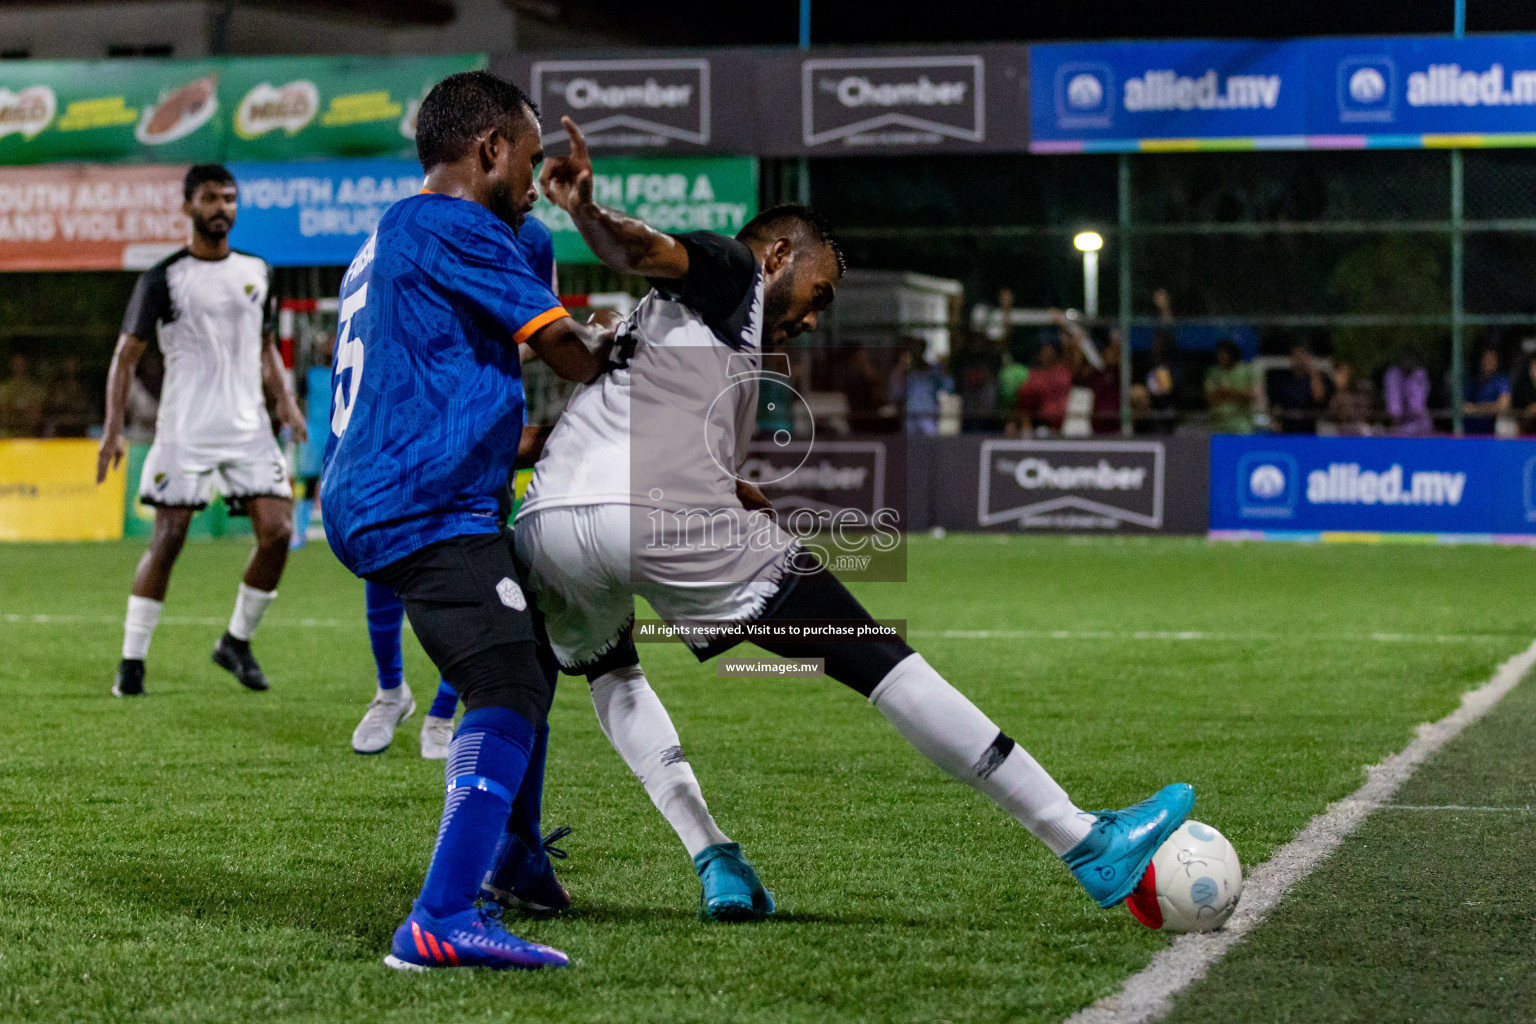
(239, 108)
(671, 194)
(284, 108)
(147, 111)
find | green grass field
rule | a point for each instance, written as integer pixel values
(208, 854)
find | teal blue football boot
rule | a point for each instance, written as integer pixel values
(1112, 858)
(732, 891)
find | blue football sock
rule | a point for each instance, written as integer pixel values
(385, 613)
(486, 765)
(529, 802)
(446, 701)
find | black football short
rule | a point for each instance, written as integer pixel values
(469, 610)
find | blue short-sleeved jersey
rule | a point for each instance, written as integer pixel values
(427, 405)
(539, 245)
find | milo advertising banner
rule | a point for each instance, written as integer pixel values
(110, 110)
(256, 108)
(282, 108)
(669, 193)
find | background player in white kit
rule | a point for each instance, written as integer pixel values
(210, 308)
(637, 493)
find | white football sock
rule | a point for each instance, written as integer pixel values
(641, 731)
(250, 606)
(950, 731)
(139, 626)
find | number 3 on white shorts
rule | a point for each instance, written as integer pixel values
(349, 356)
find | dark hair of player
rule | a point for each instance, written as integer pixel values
(1228, 346)
(201, 174)
(792, 219)
(460, 109)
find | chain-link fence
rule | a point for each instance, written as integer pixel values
(1342, 278)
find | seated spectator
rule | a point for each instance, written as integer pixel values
(21, 401)
(974, 369)
(1522, 396)
(1229, 389)
(1486, 395)
(67, 411)
(1158, 393)
(921, 382)
(1349, 410)
(1405, 392)
(1299, 395)
(1042, 399)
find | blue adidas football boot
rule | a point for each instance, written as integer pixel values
(523, 877)
(732, 891)
(472, 938)
(1112, 858)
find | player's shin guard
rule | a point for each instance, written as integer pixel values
(640, 729)
(486, 765)
(954, 734)
(385, 614)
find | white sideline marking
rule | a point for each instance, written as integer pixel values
(1456, 807)
(1149, 993)
(1196, 634)
(167, 620)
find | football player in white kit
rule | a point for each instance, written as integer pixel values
(637, 493)
(210, 308)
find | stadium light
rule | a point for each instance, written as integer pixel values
(1089, 243)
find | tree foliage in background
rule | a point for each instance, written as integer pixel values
(1395, 276)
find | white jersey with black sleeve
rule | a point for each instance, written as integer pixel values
(668, 427)
(208, 317)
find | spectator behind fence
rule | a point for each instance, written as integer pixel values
(1105, 383)
(1299, 395)
(974, 369)
(1042, 400)
(1229, 389)
(1349, 408)
(21, 401)
(1158, 393)
(1486, 394)
(921, 382)
(1405, 392)
(68, 411)
(1522, 395)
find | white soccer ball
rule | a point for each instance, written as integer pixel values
(1193, 884)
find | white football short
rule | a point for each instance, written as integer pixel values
(179, 474)
(587, 563)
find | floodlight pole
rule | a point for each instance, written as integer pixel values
(1458, 264)
(1091, 283)
(803, 165)
(1123, 251)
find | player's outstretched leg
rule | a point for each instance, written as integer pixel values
(638, 726)
(272, 521)
(437, 726)
(392, 703)
(1107, 851)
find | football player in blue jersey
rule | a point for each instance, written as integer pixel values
(393, 702)
(428, 415)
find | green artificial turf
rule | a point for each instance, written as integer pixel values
(209, 854)
(1422, 915)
